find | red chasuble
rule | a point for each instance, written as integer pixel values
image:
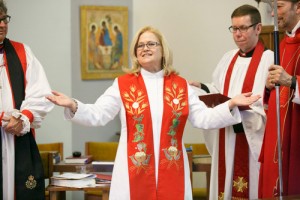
(141, 161)
(290, 131)
(240, 187)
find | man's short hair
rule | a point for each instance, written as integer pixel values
(244, 10)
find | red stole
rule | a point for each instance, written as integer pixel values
(141, 161)
(240, 187)
(289, 125)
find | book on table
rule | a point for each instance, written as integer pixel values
(103, 178)
(212, 100)
(103, 166)
(74, 180)
(79, 160)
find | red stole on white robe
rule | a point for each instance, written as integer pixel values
(29, 173)
(240, 187)
(141, 161)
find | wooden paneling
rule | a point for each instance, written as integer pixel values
(267, 36)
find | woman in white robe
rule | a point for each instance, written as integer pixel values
(147, 55)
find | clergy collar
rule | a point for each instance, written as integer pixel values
(292, 34)
(246, 54)
(150, 74)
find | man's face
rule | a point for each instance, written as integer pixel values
(287, 14)
(3, 27)
(246, 34)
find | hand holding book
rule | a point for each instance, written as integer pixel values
(242, 100)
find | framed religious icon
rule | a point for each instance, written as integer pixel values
(104, 44)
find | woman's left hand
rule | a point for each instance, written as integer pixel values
(244, 99)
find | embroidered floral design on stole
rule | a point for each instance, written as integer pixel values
(135, 105)
(30, 183)
(175, 99)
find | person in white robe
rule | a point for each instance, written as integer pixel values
(153, 62)
(33, 109)
(246, 38)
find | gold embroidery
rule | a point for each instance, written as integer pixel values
(30, 183)
(221, 196)
(135, 105)
(175, 99)
(172, 156)
(287, 95)
(240, 184)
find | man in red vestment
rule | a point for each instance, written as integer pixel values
(288, 77)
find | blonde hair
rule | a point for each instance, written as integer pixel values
(167, 58)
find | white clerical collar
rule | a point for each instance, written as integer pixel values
(158, 74)
(292, 34)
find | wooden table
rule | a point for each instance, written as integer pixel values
(59, 193)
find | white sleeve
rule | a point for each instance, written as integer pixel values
(36, 90)
(101, 112)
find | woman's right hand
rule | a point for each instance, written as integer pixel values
(61, 99)
(244, 99)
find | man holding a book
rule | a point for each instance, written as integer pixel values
(235, 149)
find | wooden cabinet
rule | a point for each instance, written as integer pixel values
(267, 36)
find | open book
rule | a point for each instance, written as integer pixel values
(212, 100)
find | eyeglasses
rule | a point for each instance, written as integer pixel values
(150, 45)
(5, 19)
(242, 29)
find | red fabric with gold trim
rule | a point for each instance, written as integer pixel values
(171, 168)
(240, 187)
(141, 161)
(289, 126)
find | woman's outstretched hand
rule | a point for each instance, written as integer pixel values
(244, 99)
(61, 99)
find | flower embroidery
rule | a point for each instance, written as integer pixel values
(174, 97)
(135, 105)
